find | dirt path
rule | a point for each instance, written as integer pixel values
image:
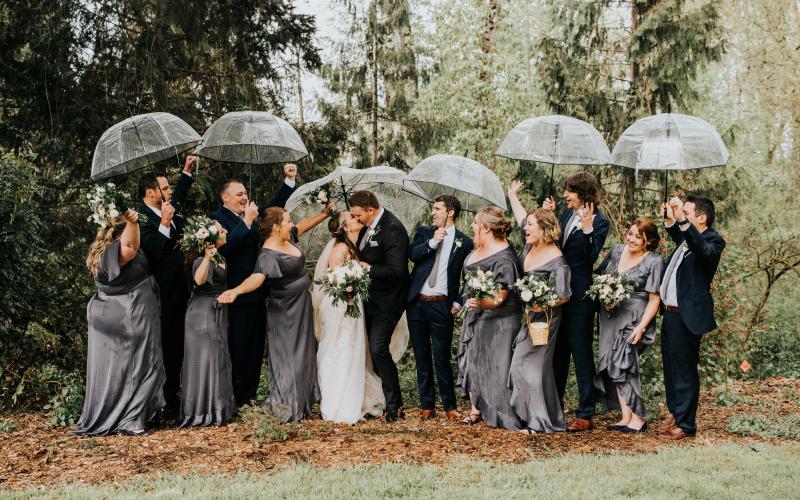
(35, 454)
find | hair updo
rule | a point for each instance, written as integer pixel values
(648, 232)
(546, 220)
(272, 216)
(493, 219)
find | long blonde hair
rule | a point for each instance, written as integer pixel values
(106, 235)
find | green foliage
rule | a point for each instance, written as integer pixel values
(7, 426)
(767, 427)
(64, 407)
(267, 428)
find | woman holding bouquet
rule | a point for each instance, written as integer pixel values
(490, 325)
(534, 395)
(207, 393)
(628, 328)
(292, 346)
(349, 387)
(124, 365)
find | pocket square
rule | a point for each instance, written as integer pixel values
(373, 243)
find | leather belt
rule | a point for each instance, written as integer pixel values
(432, 298)
(671, 309)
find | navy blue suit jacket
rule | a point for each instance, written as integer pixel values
(581, 251)
(695, 274)
(423, 256)
(164, 254)
(241, 249)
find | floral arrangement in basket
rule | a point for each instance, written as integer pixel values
(538, 295)
(610, 290)
(322, 194)
(479, 284)
(198, 232)
(106, 203)
(348, 283)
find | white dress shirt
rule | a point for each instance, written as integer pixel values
(669, 287)
(441, 272)
(161, 229)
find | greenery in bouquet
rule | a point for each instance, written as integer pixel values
(479, 284)
(107, 202)
(322, 195)
(348, 283)
(198, 232)
(536, 292)
(610, 290)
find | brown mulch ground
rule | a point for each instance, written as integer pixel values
(35, 454)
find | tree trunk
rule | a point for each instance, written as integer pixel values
(300, 91)
(373, 150)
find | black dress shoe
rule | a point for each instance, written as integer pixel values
(143, 432)
(394, 415)
(628, 430)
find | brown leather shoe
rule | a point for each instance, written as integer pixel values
(427, 414)
(666, 424)
(453, 415)
(674, 434)
(580, 424)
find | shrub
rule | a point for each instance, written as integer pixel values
(767, 427)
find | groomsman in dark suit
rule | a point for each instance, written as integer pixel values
(247, 321)
(159, 237)
(583, 233)
(687, 307)
(438, 254)
(383, 246)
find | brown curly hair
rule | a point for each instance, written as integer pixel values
(493, 219)
(585, 185)
(546, 220)
(105, 236)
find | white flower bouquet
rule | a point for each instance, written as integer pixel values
(322, 195)
(198, 232)
(537, 293)
(610, 290)
(480, 284)
(106, 203)
(348, 283)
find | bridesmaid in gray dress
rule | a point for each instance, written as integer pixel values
(534, 396)
(207, 394)
(124, 366)
(490, 326)
(290, 314)
(627, 330)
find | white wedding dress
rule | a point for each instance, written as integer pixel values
(349, 387)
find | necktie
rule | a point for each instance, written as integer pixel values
(364, 239)
(435, 272)
(673, 265)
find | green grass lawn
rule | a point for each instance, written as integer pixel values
(755, 471)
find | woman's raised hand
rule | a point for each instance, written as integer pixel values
(131, 216)
(514, 188)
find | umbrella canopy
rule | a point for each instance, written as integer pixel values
(473, 184)
(253, 137)
(555, 139)
(669, 141)
(385, 181)
(140, 141)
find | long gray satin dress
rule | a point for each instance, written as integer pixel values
(618, 367)
(292, 345)
(487, 343)
(124, 365)
(207, 394)
(534, 396)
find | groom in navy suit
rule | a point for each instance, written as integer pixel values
(687, 307)
(583, 233)
(247, 321)
(438, 254)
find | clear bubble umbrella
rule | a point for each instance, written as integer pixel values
(140, 141)
(555, 139)
(670, 141)
(385, 181)
(474, 185)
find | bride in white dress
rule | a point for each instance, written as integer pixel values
(349, 387)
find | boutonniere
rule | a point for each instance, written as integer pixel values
(373, 232)
(459, 242)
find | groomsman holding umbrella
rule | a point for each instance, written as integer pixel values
(438, 253)
(160, 236)
(687, 306)
(247, 320)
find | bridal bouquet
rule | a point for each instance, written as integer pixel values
(322, 194)
(348, 283)
(199, 232)
(610, 290)
(479, 284)
(106, 203)
(534, 291)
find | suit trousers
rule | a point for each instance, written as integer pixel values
(247, 331)
(680, 353)
(431, 327)
(575, 339)
(379, 333)
(172, 332)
